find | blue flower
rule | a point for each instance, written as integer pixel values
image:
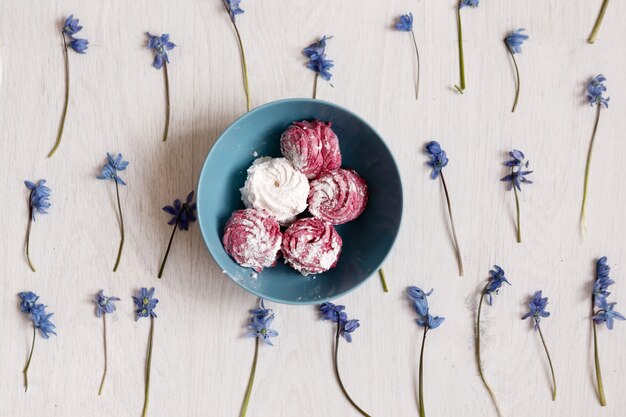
(182, 214)
(71, 25)
(420, 304)
(316, 52)
(104, 304)
(602, 283)
(515, 40)
(405, 23)
(39, 197)
(145, 303)
(337, 314)
(518, 159)
(262, 312)
(429, 321)
(595, 89)
(607, 315)
(111, 167)
(418, 296)
(28, 301)
(537, 308)
(333, 312)
(438, 159)
(79, 45)
(260, 328)
(41, 321)
(517, 177)
(471, 3)
(160, 44)
(322, 66)
(496, 279)
(233, 8)
(348, 328)
(316, 49)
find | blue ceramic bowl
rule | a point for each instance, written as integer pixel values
(366, 240)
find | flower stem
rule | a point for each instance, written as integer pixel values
(457, 249)
(30, 356)
(28, 227)
(596, 355)
(167, 102)
(246, 399)
(583, 224)
(596, 28)
(461, 58)
(417, 76)
(144, 413)
(315, 85)
(381, 273)
(243, 56)
(244, 66)
(421, 379)
(518, 80)
(119, 208)
(67, 97)
(169, 245)
(549, 361)
(343, 388)
(478, 359)
(106, 359)
(519, 226)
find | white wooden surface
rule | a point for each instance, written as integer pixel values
(201, 360)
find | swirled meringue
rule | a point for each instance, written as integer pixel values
(338, 197)
(275, 186)
(311, 147)
(311, 246)
(252, 238)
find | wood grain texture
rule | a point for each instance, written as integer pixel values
(201, 360)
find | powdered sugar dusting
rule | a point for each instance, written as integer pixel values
(275, 186)
(338, 196)
(311, 246)
(252, 238)
(311, 147)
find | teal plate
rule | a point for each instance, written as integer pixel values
(366, 241)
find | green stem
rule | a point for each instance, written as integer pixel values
(518, 80)
(583, 224)
(30, 356)
(28, 227)
(519, 226)
(478, 359)
(457, 249)
(315, 86)
(246, 399)
(106, 359)
(461, 58)
(244, 67)
(596, 27)
(417, 77)
(243, 57)
(144, 413)
(381, 273)
(119, 208)
(167, 251)
(421, 379)
(167, 102)
(67, 97)
(343, 388)
(596, 355)
(545, 347)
